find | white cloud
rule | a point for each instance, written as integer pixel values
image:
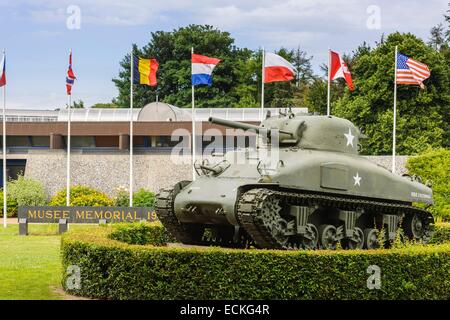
(315, 25)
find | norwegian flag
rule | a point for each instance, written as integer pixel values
(410, 71)
(70, 79)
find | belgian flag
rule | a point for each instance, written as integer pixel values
(144, 71)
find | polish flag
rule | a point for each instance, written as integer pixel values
(277, 68)
(339, 69)
(3, 71)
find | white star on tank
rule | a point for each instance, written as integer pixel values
(357, 179)
(349, 137)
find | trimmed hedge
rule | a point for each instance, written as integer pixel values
(141, 233)
(111, 269)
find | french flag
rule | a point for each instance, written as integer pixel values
(202, 68)
(3, 71)
(276, 68)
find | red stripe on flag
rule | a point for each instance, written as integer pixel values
(277, 73)
(152, 75)
(197, 58)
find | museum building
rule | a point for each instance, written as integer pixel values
(36, 143)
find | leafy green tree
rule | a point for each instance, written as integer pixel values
(423, 118)
(78, 104)
(173, 52)
(437, 37)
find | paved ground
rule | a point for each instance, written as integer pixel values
(11, 221)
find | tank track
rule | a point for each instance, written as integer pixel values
(165, 212)
(189, 233)
(250, 204)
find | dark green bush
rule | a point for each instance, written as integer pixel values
(115, 270)
(434, 165)
(141, 233)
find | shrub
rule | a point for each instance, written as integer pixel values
(434, 165)
(441, 233)
(11, 205)
(115, 270)
(121, 197)
(82, 196)
(24, 192)
(141, 198)
(141, 233)
(27, 192)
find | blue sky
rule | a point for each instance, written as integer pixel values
(37, 39)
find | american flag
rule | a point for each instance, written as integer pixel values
(70, 79)
(410, 71)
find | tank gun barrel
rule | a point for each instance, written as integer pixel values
(242, 125)
(235, 124)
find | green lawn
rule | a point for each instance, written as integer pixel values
(30, 266)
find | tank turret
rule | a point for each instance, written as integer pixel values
(305, 131)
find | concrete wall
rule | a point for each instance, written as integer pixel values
(107, 172)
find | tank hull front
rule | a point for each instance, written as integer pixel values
(209, 200)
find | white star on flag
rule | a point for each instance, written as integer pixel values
(357, 179)
(349, 137)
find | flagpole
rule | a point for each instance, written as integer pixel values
(131, 129)
(69, 103)
(395, 112)
(262, 83)
(329, 83)
(5, 207)
(193, 122)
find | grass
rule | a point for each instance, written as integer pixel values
(30, 266)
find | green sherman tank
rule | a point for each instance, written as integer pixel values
(319, 193)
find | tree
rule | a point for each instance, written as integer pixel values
(173, 52)
(78, 104)
(437, 37)
(423, 119)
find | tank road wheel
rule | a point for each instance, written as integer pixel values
(327, 236)
(354, 242)
(417, 226)
(371, 238)
(270, 214)
(311, 238)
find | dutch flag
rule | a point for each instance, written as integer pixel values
(3, 71)
(202, 68)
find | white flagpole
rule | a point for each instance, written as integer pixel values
(5, 180)
(262, 84)
(329, 83)
(131, 129)
(193, 122)
(69, 98)
(395, 112)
